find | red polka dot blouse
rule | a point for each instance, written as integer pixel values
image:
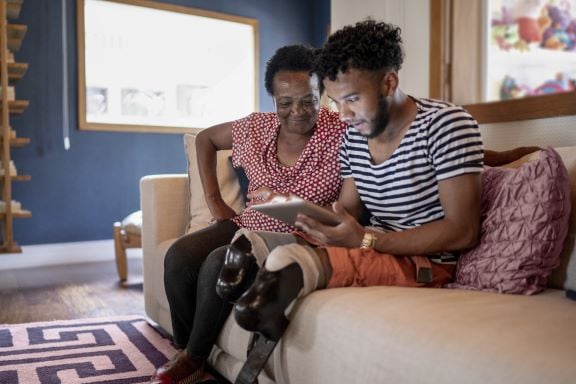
(314, 177)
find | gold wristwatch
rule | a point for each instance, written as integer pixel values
(368, 241)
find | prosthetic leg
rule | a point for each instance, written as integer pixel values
(290, 272)
(247, 249)
(238, 263)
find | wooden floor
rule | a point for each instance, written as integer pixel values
(69, 292)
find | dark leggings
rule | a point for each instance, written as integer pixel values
(191, 269)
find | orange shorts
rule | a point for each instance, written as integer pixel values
(366, 267)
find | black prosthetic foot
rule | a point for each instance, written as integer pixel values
(239, 264)
(261, 308)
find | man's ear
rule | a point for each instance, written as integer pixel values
(389, 83)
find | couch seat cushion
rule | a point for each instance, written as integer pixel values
(414, 335)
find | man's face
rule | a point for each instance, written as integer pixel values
(359, 100)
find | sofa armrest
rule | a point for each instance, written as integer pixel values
(164, 203)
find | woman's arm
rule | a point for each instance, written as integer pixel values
(208, 142)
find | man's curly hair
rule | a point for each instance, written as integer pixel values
(294, 58)
(368, 45)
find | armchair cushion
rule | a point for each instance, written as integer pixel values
(200, 215)
(132, 223)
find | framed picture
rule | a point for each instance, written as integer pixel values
(145, 66)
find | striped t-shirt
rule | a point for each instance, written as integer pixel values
(402, 192)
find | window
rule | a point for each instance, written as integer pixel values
(530, 48)
(459, 65)
(156, 67)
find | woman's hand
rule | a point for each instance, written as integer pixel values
(220, 210)
(265, 195)
(348, 233)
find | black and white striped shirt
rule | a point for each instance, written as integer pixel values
(402, 192)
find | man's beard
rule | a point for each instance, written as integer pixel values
(381, 120)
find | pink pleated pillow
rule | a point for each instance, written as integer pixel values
(524, 223)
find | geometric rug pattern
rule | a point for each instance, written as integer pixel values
(119, 350)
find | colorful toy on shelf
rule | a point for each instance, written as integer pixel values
(571, 31)
(557, 35)
(562, 83)
(522, 24)
(506, 36)
(504, 30)
(527, 17)
(510, 89)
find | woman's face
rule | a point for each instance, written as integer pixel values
(297, 100)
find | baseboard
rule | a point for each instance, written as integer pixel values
(62, 253)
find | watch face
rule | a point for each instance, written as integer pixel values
(368, 240)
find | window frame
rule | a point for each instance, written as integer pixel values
(450, 79)
(83, 122)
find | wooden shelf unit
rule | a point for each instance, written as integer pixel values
(11, 37)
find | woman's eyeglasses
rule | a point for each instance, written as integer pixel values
(308, 103)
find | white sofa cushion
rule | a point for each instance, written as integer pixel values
(415, 335)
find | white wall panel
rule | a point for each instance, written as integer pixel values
(555, 132)
(410, 15)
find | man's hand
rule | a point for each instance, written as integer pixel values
(348, 233)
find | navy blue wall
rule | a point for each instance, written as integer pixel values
(76, 195)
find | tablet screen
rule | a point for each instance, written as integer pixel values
(288, 210)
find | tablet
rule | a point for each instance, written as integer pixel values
(288, 210)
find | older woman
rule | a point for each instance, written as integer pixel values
(293, 151)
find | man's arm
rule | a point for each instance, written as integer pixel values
(459, 229)
(349, 198)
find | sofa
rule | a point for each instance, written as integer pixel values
(386, 334)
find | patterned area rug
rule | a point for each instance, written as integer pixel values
(107, 350)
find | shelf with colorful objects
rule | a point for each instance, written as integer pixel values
(531, 48)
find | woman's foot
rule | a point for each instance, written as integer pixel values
(261, 308)
(181, 369)
(238, 264)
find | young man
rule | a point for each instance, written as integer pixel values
(413, 164)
